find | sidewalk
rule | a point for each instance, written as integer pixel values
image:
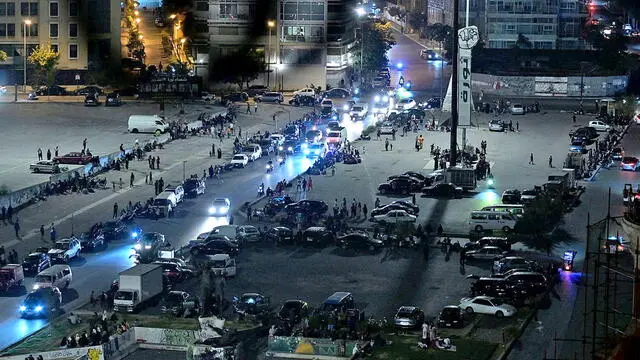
(410, 33)
(75, 213)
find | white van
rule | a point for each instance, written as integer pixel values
(147, 124)
(481, 220)
(222, 263)
(515, 209)
(59, 276)
(165, 203)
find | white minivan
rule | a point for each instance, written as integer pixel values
(165, 203)
(481, 220)
(147, 124)
(59, 276)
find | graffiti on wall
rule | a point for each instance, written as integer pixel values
(551, 86)
(171, 337)
(309, 346)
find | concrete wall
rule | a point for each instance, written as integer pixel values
(544, 86)
(91, 352)
(295, 77)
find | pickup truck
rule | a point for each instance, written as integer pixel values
(11, 276)
(138, 286)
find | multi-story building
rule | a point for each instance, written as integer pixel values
(78, 30)
(548, 24)
(310, 40)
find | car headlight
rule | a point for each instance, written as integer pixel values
(224, 210)
(36, 287)
(280, 148)
(134, 234)
(306, 151)
(377, 98)
(23, 308)
(290, 148)
(137, 246)
(345, 107)
(212, 210)
(38, 308)
(147, 247)
(386, 99)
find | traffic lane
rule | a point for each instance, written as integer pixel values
(428, 77)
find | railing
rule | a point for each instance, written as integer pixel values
(118, 345)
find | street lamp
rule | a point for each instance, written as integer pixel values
(138, 20)
(140, 37)
(270, 25)
(24, 49)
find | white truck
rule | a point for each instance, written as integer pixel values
(138, 286)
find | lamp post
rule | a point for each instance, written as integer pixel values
(361, 12)
(24, 50)
(270, 25)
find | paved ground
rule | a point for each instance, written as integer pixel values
(153, 39)
(144, 354)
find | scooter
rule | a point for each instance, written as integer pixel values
(281, 160)
(269, 167)
(260, 190)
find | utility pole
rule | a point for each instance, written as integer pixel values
(466, 24)
(453, 146)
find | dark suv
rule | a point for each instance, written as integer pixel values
(503, 243)
(36, 262)
(318, 236)
(307, 207)
(399, 186)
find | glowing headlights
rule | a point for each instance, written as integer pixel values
(212, 210)
(36, 287)
(280, 148)
(134, 234)
(290, 148)
(23, 308)
(38, 308)
(345, 107)
(377, 98)
(147, 247)
(137, 246)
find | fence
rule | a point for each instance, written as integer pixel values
(84, 353)
(119, 345)
(309, 346)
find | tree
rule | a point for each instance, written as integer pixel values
(240, 67)
(540, 218)
(442, 34)
(378, 39)
(3, 56)
(522, 42)
(394, 11)
(416, 20)
(45, 60)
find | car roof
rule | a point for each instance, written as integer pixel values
(336, 297)
(218, 257)
(407, 308)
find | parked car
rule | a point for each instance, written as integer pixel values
(280, 235)
(399, 186)
(528, 196)
(91, 89)
(35, 262)
(409, 174)
(307, 207)
(317, 236)
(251, 304)
(389, 207)
(443, 190)
(433, 103)
(132, 64)
(502, 265)
(45, 166)
(517, 109)
(65, 250)
(274, 97)
(336, 93)
(177, 190)
(305, 92)
(240, 160)
(215, 246)
(408, 317)
(114, 230)
(414, 209)
(54, 90)
(236, 97)
(497, 125)
(511, 196)
(277, 203)
(302, 100)
(113, 99)
(501, 242)
(617, 154)
(194, 187)
(179, 303)
(451, 316)
(394, 217)
(629, 163)
(255, 90)
(599, 125)
(174, 272)
(359, 241)
(487, 305)
(485, 253)
(92, 100)
(73, 158)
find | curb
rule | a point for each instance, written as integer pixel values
(622, 134)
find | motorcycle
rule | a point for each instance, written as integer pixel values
(281, 160)
(269, 167)
(490, 182)
(261, 190)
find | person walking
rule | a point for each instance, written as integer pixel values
(248, 108)
(157, 162)
(550, 161)
(115, 210)
(365, 210)
(531, 159)
(310, 183)
(574, 118)
(304, 184)
(4, 213)
(10, 213)
(42, 232)
(16, 227)
(131, 180)
(255, 110)
(463, 254)
(386, 144)
(413, 199)
(150, 177)
(39, 154)
(48, 154)
(84, 144)
(219, 153)
(53, 233)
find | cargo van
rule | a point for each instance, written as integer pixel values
(491, 220)
(147, 124)
(59, 276)
(165, 203)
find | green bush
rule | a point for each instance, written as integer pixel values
(4, 190)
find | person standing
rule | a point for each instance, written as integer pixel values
(248, 108)
(310, 184)
(2, 259)
(463, 254)
(219, 153)
(10, 213)
(84, 144)
(157, 162)
(386, 144)
(365, 210)
(531, 159)
(16, 227)
(39, 154)
(56, 151)
(48, 154)
(550, 161)
(131, 180)
(115, 210)
(53, 233)
(4, 213)
(304, 185)
(42, 232)
(150, 177)
(156, 187)
(413, 199)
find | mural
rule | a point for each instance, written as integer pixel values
(171, 337)
(310, 346)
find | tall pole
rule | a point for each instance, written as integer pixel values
(466, 24)
(453, 150)
(269, 58)
(24, 53)
(361, 46)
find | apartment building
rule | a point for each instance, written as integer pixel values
(310, 39)
(548, 24)
(78, 30)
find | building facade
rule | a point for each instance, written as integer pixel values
(309, 42)
(548, 24)
(78, 30)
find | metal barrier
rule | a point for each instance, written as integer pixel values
(118, 345)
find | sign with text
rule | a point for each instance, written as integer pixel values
(464, 88)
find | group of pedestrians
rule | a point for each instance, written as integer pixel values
(356, 210)
(12, 257)
(304, 185)
(40, 157)
(154, 162)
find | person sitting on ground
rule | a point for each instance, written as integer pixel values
(74, 319)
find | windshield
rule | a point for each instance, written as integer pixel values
(32, 299)
(220, 202)
(529, 192)
(43, 279)
(238, 157)
(161, 202)
(62, 246)
(219, 264)
(404, 313)
(33, 257)
(357, 108)
(450, 312)
(109, 225)
(248, 149)
(333, 134)
(124, 295)
(173, 298)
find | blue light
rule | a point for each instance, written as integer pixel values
(399, 66)
(376, 98)
(251, 301)
(334, 117)
(38, 308)
(134, 234)
(23, 308)
(356, 91)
